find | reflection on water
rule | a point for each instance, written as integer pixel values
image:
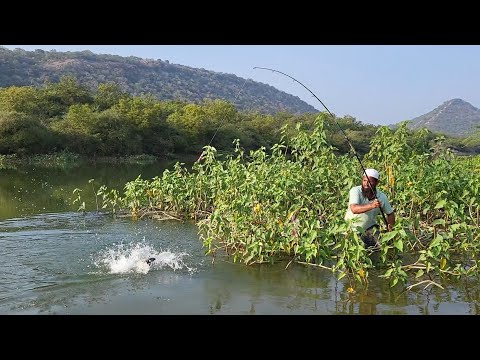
(33, 190)
(58, 261)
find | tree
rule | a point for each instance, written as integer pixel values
(107, 95)
(20, 134)
(56, 98)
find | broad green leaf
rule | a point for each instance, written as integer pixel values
(455, 227)
(438, 222)
(389, 235)
(399, 244)
(436, 241)
(388, 272)
(440, 204)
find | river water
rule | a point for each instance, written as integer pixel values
(55, 260)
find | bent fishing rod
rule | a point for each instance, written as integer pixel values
(343, 133)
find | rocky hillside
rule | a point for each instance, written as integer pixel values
(144, 76)
(454, 117)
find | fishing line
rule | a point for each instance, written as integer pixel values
(343, 132)
(221, 121)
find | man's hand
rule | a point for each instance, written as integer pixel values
(376, 203)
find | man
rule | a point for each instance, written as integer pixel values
(364, 206)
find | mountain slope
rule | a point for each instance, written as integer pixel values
(142, 76)
(454, 117)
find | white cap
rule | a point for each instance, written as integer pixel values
(372, 173)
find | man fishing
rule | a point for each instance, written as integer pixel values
(364, 204)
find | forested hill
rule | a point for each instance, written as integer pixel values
(454, 117)
(144, 76)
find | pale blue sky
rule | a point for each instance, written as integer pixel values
(376, 84)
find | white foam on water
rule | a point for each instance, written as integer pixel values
(132, 258)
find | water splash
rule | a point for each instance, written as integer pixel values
(132, 258)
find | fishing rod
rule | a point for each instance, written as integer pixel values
(343, 132)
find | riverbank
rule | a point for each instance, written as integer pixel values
(71, 160)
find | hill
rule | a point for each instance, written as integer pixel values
(454, 117)
(139, 76)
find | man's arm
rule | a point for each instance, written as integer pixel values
(363, 208)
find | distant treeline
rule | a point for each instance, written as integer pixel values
(69, 117)
(138, 77)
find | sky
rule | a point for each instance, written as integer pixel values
(376, 84)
